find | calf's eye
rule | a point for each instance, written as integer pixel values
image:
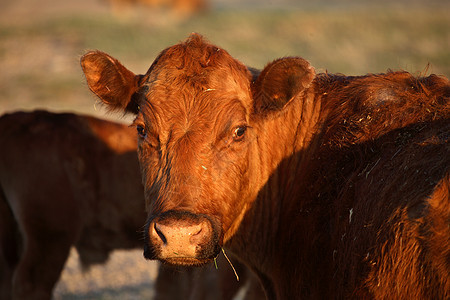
(239, 133)
(141, 131)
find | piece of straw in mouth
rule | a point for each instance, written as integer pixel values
(234, 270)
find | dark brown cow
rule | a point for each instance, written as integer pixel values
(71, 180)
(327, 186)
(65, 180)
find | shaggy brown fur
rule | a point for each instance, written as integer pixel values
(327, 186)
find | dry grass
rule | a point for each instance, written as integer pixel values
(41, 42)
(39, 56)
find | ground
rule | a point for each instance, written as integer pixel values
(126, 276)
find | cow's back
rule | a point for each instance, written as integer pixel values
(371, 199)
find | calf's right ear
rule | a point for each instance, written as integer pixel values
(107, 78)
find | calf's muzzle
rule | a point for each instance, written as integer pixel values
(181, 238)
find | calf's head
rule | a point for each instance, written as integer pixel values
(205, 126)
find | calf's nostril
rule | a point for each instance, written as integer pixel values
(160, 233)
(193, 233)
(198, 234)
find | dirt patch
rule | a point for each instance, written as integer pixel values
(127, 275)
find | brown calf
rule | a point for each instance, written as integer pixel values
(327, 186)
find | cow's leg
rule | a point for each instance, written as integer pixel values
(9, 247)
(41, 264)
(49, 231)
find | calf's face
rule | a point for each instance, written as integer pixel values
(202, 120)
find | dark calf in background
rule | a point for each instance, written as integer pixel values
(65, 180)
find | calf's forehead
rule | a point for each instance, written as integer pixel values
(196, 73)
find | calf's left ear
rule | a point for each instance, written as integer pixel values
(280, 82)
(114, 84)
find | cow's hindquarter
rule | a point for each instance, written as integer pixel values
(37, 191)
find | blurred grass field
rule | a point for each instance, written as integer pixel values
(39, 53)
(41, 43)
